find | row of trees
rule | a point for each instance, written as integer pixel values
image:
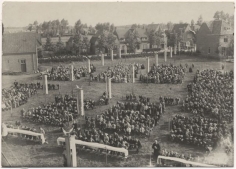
(220, 15)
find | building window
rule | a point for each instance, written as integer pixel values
(138, 46)
(225, 39)
(209, 50)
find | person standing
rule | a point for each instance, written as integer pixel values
(157, 149)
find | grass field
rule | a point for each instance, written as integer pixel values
(31, 154)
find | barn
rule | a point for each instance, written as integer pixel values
(19, 52)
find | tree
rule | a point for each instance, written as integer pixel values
(192, 24)
(112, 28)
(77, 42)
(170, 26)
(134, 26)
(78, 27)
(200, 20)
(86, 43)
(103, 27)
(111, 41)
(35, 23)
(60, 47)
(2, 28)
(102, 42)
(217, 15)
(30, 27)
(91, 30)
(154, 38)
(132, 40)
(48, 46)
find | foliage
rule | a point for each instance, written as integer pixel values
(200, 20)
(102, 42)
(132, 40)
(86, 44)
(78, 27)
(60, 47)
(30, 27)
(77, 44)
(231, 48)
(134, 26)
(170, 26)
(154, 38)
(220, 15)
(111, 41)
(48, 46)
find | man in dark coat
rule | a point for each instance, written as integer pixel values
(157, 149)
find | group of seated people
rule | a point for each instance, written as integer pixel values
(95, 135)
(63, 73)
(120, 73)
(201, 132)
(163, 74)
(178, 155)
(211, 93)
(64, 109)
(130, 118)
(169, 100)
(18, 95)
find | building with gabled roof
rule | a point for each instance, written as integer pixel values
(121, 33)
(187, 35)
(214, 38)
(20, 52)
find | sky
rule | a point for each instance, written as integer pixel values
(19, 14)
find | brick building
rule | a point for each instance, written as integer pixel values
(214, 38)
(20, 52)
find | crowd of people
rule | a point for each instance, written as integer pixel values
(95, 135)
(211, 93)
(18, 94)
(120, 73)
(198, 131)
(63, 73)
(163, 74)
(64, 109)
(130, 118)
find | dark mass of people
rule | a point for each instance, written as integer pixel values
(95, 135)
(64, 109)
(211, 93)
(163, 74)
(120, 73)
(63, 73)
(198, 131)
(130, 118)
(18, 94)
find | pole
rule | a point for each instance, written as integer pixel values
(46, 84)
(109, 87)
(111, 55)
(89, 70)
(133, 79)
(147, 70)
(102, 59)
(82, 102)
(156, 59)
(106, 154)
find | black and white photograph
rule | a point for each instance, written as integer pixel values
(117, 84)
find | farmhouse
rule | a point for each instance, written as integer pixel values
(121, 34)
(215, 38)
(20, 52)
(186, 34)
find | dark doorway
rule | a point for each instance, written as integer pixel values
(23, 65)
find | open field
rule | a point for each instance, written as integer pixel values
(31, 154)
